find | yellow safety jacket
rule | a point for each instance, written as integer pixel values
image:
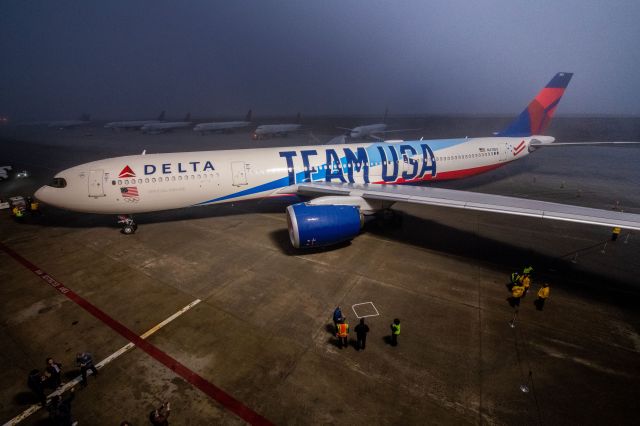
(517, 291)
(543, 293)
(343, 330)
(526, 282)
(34, 206)
(395, 328)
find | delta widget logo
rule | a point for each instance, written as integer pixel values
(126, 173)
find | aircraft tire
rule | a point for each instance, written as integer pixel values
(129, 229)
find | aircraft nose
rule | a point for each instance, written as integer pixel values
(41, 194)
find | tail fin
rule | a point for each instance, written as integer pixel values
(386, 111)
(187, 117)
(298, 118)
(248, 117)
(535, 119)
(161, 116)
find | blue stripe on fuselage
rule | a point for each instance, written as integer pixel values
(373, 154)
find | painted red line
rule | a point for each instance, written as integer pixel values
(190, 376)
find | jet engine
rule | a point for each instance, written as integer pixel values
(322, 225)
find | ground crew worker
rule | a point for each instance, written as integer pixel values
(342, 333)
(337, 316)
(526, 283)
(395, 332)
(515, 279)
(34, 206)
(543, 295)
(361, 333)
(517, 291)
(615, 233)
(17, 212)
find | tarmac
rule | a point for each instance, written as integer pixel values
(259, 340)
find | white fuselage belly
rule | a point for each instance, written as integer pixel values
(152, 182)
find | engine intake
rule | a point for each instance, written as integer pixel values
(322, 225)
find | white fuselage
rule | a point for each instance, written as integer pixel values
(275, 129)
(152, 182)
(130, 124)
(161, 127)
(220, 126)
(364, 131)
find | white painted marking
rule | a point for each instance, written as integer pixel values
(126, 348)
(353, 308)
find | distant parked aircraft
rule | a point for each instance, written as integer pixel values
(67, 124)
(133, 125)
(375, 131)
(266, 130)
(222, 126)
(166, 126)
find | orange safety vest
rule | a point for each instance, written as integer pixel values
(343, 330)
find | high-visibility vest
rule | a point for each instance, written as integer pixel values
(526, 282)
(343, 330)
(527, 270)
(34, 206)
(543, 293)
(395, 328)
(18, 213)
(517, 291)
(514, 277)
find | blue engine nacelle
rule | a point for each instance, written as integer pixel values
(322, 225)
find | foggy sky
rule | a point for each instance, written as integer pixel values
(132, 59)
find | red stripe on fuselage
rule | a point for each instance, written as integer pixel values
(450, 175)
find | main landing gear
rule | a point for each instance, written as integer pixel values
(128, 225)
(388, 218)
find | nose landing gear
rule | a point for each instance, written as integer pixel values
(128, 225)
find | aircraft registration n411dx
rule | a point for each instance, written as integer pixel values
(346, 182)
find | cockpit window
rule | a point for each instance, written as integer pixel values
(58, 183)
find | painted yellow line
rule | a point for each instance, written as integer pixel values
(126, 348)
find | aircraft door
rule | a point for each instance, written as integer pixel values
(238, 173)
(96, 183)
(504, 151)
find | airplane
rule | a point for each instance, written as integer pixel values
(166, 126)
(67, 124)
(347, 183)
(372, 130)
(222, 126)
(135, 125)
(266, 130)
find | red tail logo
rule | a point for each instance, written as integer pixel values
(126, 173)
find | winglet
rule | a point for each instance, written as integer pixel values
(535, 119)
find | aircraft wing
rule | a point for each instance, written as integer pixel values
(537, 144)
(474, 201)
